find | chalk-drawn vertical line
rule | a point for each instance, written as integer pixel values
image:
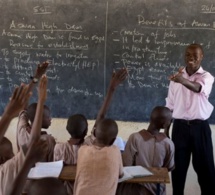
(105, 49)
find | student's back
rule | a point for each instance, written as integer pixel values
(150, 148)
(99, 165)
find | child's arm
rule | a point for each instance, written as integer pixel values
(116, 79)
(36, 152)
(37, 124)
(17, 102)
(41, 69)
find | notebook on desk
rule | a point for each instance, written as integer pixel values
(46, 169)
(134, 171)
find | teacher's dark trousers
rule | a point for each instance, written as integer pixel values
(193, 137)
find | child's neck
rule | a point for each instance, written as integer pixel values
(152, 129)
(99, 144)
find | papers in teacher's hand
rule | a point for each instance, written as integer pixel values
(134, 171)
(46, 169)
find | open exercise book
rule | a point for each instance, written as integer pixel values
(134, 171)
(46, 169)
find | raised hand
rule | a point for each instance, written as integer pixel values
(118, 77)
(41, 69)
(18, 100)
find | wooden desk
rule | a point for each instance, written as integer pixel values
(160, 175)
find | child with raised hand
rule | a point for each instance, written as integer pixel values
(77, 127)
(117, 78)
(11, 168)
(28, 114)
(99, 166)
(16, 103)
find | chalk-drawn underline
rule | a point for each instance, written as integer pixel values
(42, 13)
(143, 27)
(46, 48)
(47, 30)
(207, 12)
(177, 28)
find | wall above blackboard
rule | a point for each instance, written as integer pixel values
(85, 41)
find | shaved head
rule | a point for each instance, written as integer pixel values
(160, 115)
(47, 186)
(77, 126)
(106, 131)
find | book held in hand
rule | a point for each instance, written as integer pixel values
(46, 169)
(134, 171)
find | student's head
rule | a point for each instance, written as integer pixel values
(161, 117)
(46, 120)
(193, 56)
(77, 126)
(106, 131)
(47, 186)
(6, 150)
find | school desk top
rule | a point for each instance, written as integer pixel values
(160, 175)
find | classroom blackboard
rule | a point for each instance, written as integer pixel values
(85, 41)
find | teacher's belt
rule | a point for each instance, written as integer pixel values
(190, 122)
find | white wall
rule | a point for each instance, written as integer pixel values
(58, 130)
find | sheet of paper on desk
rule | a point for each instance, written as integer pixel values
(46, 169)
(134, 171)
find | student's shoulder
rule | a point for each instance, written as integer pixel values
(113, 149)
(14, 163)
(169, 141)
(60, 146)
(135, 136)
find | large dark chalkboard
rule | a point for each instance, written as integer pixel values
(85, 41)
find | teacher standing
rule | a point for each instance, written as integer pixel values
(188, 94)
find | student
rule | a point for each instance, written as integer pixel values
(188, 94)
(28, 114)
(99, 166)
(117, 78)
(77, 127)
(149, 148)
(10, 169)
(68, 152)
(24, 128)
